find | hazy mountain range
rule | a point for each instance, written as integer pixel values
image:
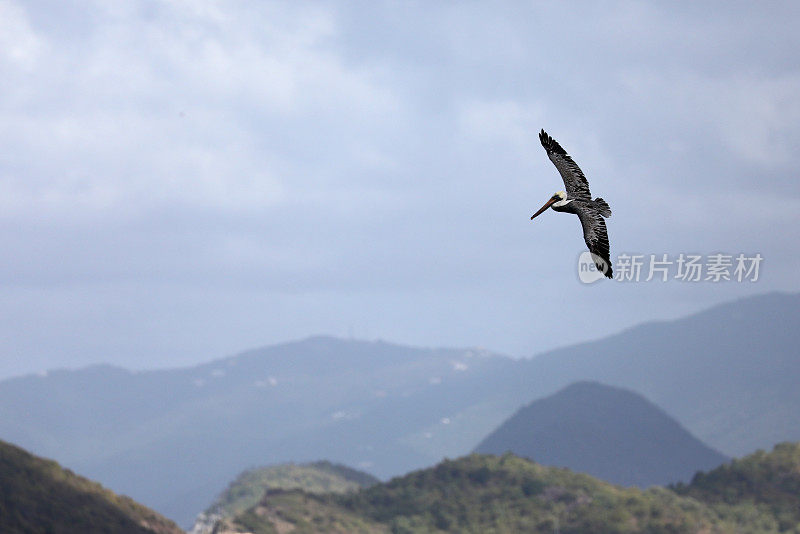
(174, 438)
(728, 374)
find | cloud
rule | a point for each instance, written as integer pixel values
(502, 122)
(20, 47)
(183, 104)
(199, 177)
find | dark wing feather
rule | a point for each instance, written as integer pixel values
(596, 236)
(574, 180)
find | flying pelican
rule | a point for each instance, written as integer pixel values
(578, 200)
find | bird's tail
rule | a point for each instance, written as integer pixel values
(603, 207)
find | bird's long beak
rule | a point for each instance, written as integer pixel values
(547, 205)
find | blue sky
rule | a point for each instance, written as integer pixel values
(183, 180)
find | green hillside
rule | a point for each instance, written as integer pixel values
(251, 485)
(37, 495)
(317, 477)
(505, 494)
(298, 512)
(769, 482)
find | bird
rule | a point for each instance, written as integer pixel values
(578, 200)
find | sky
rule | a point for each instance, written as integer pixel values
(183, 180)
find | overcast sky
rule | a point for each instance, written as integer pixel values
(181, 180)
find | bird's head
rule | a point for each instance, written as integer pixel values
(557, 197)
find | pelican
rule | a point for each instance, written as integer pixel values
(578, 200)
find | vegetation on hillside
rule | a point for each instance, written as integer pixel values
(249, 488)
(511, 494)
(769, 482)
(318, 477)
(505, 494)
(298, 512)
(37, 495)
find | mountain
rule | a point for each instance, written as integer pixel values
(37, 495)
(610, 433)
(504, 494)
(251, 485)
(172, 439)
(769, 481)
(728, 374)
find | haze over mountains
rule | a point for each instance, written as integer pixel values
(174, 439)
(728, 374)
(610, 433)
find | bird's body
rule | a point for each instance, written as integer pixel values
(577, 199)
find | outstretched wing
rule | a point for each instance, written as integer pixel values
(574, 180)
(596, 236)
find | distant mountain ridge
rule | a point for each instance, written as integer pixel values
(37, 495)
(610, 433)
(728, 374)
(173, 438)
